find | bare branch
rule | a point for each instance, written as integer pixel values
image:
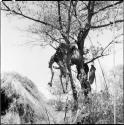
(69, 20)
(84, 32)
(102, 9)
(103, 49)
(53, 46)
(85, 8)
(75, 13)
(104, 25)
(90, 11)
(96, 58)
(72, 37)
(21, 14)
(6, 6)
(111, 43)
(59, 14)
(52, 37)
(60, 23)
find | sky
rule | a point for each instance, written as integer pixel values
(33, 62)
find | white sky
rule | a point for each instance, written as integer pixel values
(33, 62)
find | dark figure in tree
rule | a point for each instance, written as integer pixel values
(92, 74)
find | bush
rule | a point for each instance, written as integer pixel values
(101, 110)
(59, 106)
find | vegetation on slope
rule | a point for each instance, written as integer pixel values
(21, 102)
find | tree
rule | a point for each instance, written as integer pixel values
(70, 22)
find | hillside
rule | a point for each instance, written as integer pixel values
(21, 102)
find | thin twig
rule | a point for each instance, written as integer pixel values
(104, 25)
(102, 9)
(111, 43)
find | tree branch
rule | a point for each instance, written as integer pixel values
(102, 9)
(21, 14)
(111, 43)
(104, 25)
(90, 14)
(96, 58)
(84, 32)
(103, 50)
(75, 13)
(52, 37)
(69, 20)
(60, 23)
(90, 8)
(85, 8)
(53, 46)
(59, 14)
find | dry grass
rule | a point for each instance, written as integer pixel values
(27, 106)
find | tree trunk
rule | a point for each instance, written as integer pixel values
(81, 38)
(74, 91)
